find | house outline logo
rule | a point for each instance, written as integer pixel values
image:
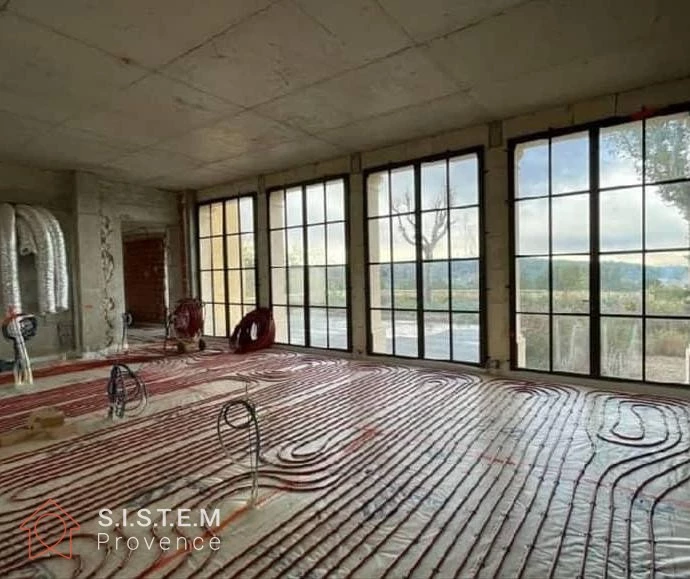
(50, 509)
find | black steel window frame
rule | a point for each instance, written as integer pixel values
(594, 254)
(419, 261)
(242, 304)
(306, 306)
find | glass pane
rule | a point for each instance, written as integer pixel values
(337, 286)
(232, 247)
(316, 212)
(247, 214)
(297, 326)
(621, 283)
(277, 209)
(218, 286)
(316, 245)
(667, 283)
(571, 344)
(435, 235)
(217, 250)
(532, 227)
(204, 220)
(219, 319)
(293, 202)
(335, 200)
(381, 322)
(247, 241)
(404, 237)
(667, 350)
(377, 194)
(570, 163)
(465, 284)
(464, 232)
(532, 169)
(533, 341)
(278, 247)
(295, 247)
(620, 220)
(621, 348)
(379, 240)
(248, 286)
(532, 277)
(205, 253)
(404, 285)
(436, 286)
(281, 322)
(217, 219)
(667, 148)
(380, 286)
(317, 286)
(318, 327)
(434, 185)
(234, 286)
(571, 284)
(463, 176)
(620, 155)
(406, 334)
(336, 243)
(437, 336)
(667, 216)
(296, 285)
(402, 190)
(235, 313)
(247, 309)
(570, 224)
(466, 338)
(278, 286)
(206, 286)
(337, 329)
(232, 217)
(208, 321)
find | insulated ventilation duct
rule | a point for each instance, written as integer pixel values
(9, 271)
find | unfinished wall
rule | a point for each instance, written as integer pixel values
(144, 279)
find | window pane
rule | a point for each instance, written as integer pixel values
(465, 285)
(317, 286)
(247, 214)
(377, 194)
(464, 232)
(402, 190)
(667, 344)
(293, 201)
(217, 252)
(380, 286)
(234, 287)
(463, 175)
(532, 227)
(621, 348)
(406, 334)
(570, 163)
(337, 329)
(532, 277)
(206, 286)
(295, 247)
(248, 286)
(204, 220)
(205, 253)
(533, 341)
(381, 322)
(621, 283)
(219, 319)
(217, 219)
(404, 285)
(667, 283)
(318, 327)
(620, 220)
(232, 217)
(337, 286)
(620, 155)
(208, 320)
(436, 286)
(335, 200)
(434, 186)
(435, 234)
(296, 285)
(336, 243)
(277, 209)
(235, 313)
(316, 212)
(278, 286)
(667, 148)
(280, 319)
(278, 247)
(466, 338)
(316, 243)
(404, 238)
(218, 286)
(247, 241)
(379, 240)
(232, 247)
(437, 336)
(570, 224)
(571, 344)
(667, 216)
(571, 284)
(532, 169)
(296, 326)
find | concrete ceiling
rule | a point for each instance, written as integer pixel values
(181, 94)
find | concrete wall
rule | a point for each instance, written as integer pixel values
(494, 138)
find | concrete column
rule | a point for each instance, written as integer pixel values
(263, 270)
(357, 257)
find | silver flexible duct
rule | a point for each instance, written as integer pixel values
(25, 239)
(45, 258)
(61, 275)
(9, 271)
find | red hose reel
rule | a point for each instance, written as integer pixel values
(187, 323)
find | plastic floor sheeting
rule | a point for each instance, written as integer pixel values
(367, 470)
